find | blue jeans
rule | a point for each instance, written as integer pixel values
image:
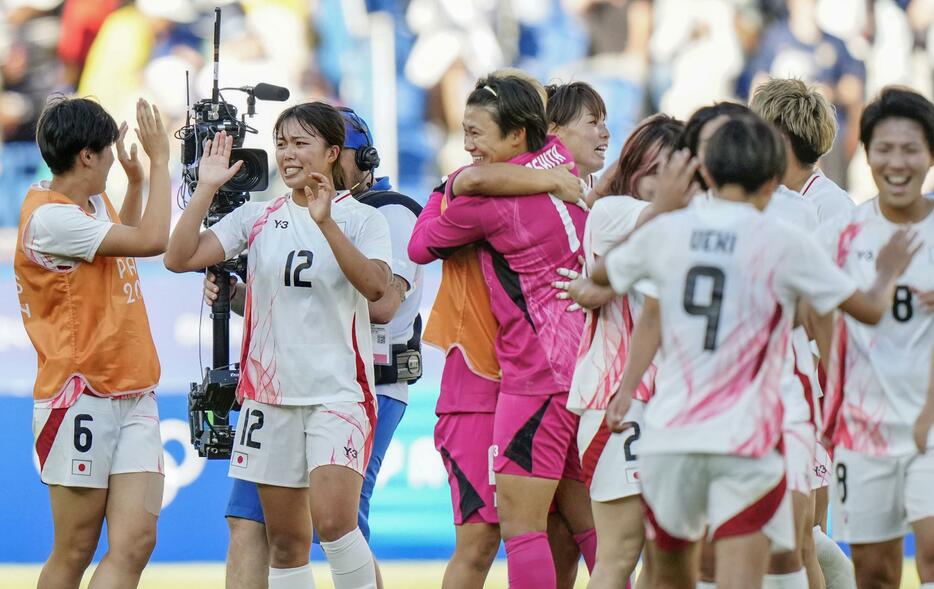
(244, 497)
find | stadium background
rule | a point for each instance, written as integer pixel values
(406, 66)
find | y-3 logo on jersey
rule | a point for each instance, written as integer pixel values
(281, 224)
(350, 453)
(865, 255)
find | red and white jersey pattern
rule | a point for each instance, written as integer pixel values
(799, 373)
(878, 375)
(728, 280)
(830, 199)
(306, 336)
(608, 330)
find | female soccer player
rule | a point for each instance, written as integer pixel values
(808, 127)
(877, 374)
(504, 121)
(610, 462)
(316, 257)
(95, 422)
(728, 280)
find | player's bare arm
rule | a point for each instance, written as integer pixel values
(502, 179)
(870, 306)
(190, 248)
(646, 340)
(132, 206)
(370, 277)
(151, 236)
(926, 417)
(383, 310)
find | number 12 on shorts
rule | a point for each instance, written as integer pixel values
(246, 432)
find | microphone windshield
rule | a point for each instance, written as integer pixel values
(265, 91)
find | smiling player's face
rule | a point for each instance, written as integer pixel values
(484, 140)
(900, 159)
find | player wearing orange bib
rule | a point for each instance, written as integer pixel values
(95, 422)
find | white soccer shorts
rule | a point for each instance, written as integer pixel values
(727, 495)
(610, 462)
(82, 445)
(799, 440)
(281, 444)
(876, 498)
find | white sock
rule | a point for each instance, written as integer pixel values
(705, 585)
(837, 568)
(351, 562)
(797, 580)
(297, 578)
(927, 586)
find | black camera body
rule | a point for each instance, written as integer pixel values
(211, 401)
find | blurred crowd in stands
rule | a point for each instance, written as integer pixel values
(642, 55)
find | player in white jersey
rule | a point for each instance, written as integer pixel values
(808, 126)
(728, 284)
(610, 461)
(877, 376)
(315, 258)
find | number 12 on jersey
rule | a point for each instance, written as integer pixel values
(293, 277)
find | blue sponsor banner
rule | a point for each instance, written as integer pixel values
(411, 508)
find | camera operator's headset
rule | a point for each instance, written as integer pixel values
(366, 157)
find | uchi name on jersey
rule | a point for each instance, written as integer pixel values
(878, 375)
(306, 337)
(728, 279)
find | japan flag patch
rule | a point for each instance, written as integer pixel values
(81, 467)
(239, 459)
(632, 475)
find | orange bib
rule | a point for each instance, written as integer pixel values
(462, 315)
(88, 322)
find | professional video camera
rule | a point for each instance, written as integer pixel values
(210, 402)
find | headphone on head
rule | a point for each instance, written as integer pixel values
(366, 156)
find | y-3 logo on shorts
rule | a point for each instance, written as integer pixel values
(350, 453)
(281, 224)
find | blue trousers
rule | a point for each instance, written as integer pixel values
(244, 497)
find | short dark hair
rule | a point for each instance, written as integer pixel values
(690, 137)
(566, 102)
(321, 119)
(514, 104)
(68, 125)
(636, 159)
(902, 103)
(746, 151)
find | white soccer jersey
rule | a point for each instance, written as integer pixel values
(58, 236)
(306, 337)
(728, 279)
(830, 199)
(878, 375)
(607, 332)
(799, 377)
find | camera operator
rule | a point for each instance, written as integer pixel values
(95, 420)
(247, 556)
(315, 257)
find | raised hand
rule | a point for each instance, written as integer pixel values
(215, 170)
(151, 133)
(130, 162)
(676, 185)
(319, 197)
(895, 255)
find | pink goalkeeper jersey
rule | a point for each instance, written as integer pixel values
(728, 279)
(527, 238)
